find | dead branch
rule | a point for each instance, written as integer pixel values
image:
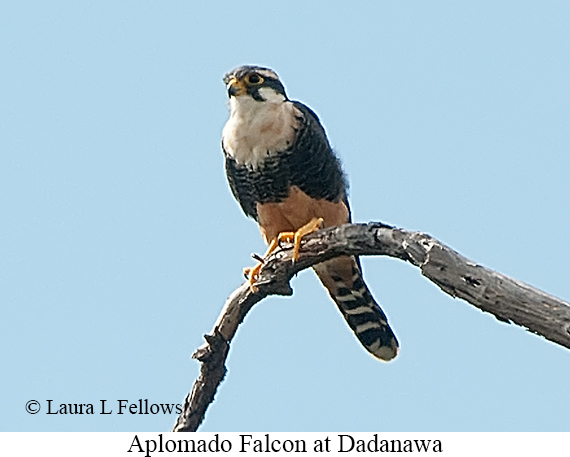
(507, 299)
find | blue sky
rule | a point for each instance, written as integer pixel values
(120, 240)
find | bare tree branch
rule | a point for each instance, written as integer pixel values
(507, 299)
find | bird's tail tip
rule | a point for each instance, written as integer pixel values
(375, 334)
(384, 352)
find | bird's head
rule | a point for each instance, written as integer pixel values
(261, 84)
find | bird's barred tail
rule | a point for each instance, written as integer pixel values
(343, 279)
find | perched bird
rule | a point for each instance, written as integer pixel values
(285, 175)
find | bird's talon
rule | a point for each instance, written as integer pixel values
(253, 275)
(257, 257)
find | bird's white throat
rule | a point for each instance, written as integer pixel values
(258, 129)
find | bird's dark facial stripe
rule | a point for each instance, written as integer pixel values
(255, 94)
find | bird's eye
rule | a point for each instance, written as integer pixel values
(254, 79)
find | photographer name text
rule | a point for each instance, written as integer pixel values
(141, 406)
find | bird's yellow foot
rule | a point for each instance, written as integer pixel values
(291, 237)
(253, 272)
(296, 237)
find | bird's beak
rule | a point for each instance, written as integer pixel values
(236, 87)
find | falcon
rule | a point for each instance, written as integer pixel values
(285, 175)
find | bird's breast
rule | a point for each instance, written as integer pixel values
(257, 130)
